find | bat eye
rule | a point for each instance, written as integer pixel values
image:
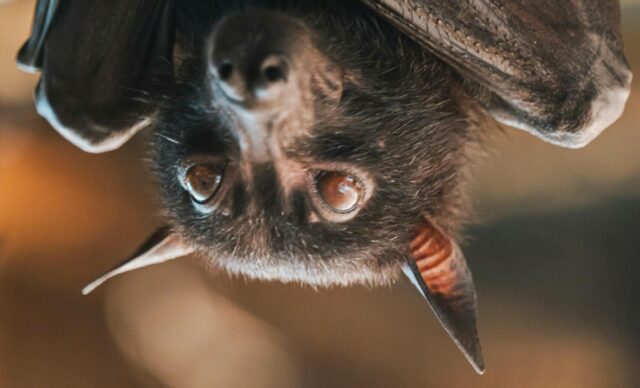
(203, 181)
(341, 191)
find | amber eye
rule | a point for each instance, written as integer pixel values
(203, 181)
(342, 192)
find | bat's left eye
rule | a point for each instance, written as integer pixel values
(342, 192)
(338, 192)
(203, 181)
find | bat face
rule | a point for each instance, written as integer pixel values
(299, 150)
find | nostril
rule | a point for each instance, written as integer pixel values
(225, 70)
(229, 79)
(275, 69)
(273, 74)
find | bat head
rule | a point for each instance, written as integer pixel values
(301, 151)
(296, 149)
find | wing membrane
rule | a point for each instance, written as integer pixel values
(553, 68)
(101, 63)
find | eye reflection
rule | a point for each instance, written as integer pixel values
(342, 192)
(203, 181)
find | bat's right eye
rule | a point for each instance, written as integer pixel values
(204, 179)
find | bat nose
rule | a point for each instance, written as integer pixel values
(252, 56)
(245, 80)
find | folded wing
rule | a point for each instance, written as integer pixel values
(102, 64)
(553, 68)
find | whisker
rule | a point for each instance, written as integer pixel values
(167, 138)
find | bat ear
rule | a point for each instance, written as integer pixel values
(162, 246)
(553, 68)
(439, 271)
(103, 63)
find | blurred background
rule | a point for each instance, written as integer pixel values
(555, 253)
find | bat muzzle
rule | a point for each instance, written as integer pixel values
(261, 66)
(251, 60)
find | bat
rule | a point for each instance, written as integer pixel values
(324, 143)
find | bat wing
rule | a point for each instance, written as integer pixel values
(553, 68)
(30, 55)
(102, 62)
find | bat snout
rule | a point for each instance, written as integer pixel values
(264, 82)
(251, 59)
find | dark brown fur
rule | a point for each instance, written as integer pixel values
(402, 118)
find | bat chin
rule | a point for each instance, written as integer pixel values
(316, 273)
